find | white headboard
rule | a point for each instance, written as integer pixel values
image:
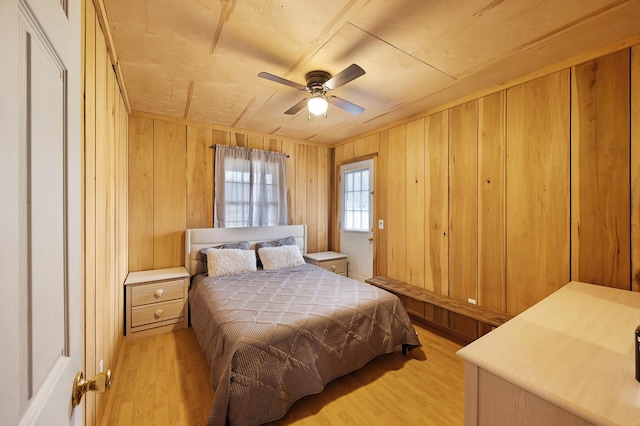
(199, 238)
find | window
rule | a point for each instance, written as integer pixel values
(236, 206)
(356, 200)
(250, 188)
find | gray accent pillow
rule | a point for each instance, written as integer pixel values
(286, 241)
(242, 245)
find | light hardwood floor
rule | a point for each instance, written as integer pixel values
(163, 380)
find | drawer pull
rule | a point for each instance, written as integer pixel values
(158, 293)
(158, 313)
(333, 268)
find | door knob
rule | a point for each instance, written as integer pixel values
(99, 384)
(370, 239)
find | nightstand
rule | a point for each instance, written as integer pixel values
(156, 301)
(329, 260)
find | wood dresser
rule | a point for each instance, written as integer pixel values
(568, 360)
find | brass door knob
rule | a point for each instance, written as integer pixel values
(370, 239)
(99, 384)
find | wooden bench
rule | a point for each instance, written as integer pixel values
(484, 315)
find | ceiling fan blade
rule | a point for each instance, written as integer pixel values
(345, 105)
(281, 80)
(297, 107)
(351, 72)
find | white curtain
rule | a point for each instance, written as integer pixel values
(250, 187)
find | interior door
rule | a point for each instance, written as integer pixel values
(356, 217)
(42, 221)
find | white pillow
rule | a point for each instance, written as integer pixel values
(230, 261)
(280, 257)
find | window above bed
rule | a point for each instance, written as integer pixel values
(250, 187)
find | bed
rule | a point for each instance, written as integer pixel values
(274, 336)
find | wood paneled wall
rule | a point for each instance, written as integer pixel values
(171, 185)
(635, 167)
(538, 161)
(507, 197)
(105, 211)
(600, 170)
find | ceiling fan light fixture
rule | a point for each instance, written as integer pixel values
(318, 84)
(317, 105)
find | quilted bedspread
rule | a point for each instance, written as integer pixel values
(272, 337)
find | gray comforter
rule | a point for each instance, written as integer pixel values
(272, 337)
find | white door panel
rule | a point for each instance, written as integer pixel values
(43, 173)
(356, 217)
(41, 145)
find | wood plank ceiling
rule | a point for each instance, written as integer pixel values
(199, 59)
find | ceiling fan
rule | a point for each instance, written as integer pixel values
(318, 84)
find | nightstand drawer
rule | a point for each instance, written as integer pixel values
(156, 312)
(158, 292)
(338, 266)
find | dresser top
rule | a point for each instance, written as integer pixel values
(575, 349)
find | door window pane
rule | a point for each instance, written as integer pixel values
(356, 200)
